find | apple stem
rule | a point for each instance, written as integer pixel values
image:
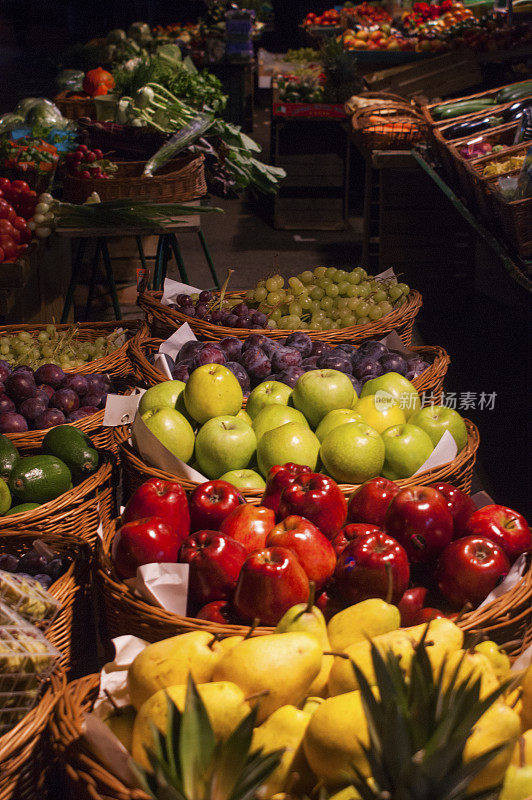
(463, 611)
(255, 695)
(254, 624)
(111, 700)
(389, 576)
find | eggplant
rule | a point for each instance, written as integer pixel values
(516, 110)
(473, 126)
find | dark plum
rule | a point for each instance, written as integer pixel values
(8, 562)
(286, 357)
(44, 396)
(310, 363)
(183, 300)
(2, 387)
(10, 422)
(55, 568)
(189, 350)
(95, 383)
(415, 367)
(66, 400)
(189, 311)
(337, 359)
(209, 354)
(373, 348)
(206, 296)
(357, 386)
(96, 399)
(82, 413)
(254, 340)
(270, 346)
(181, 372)
(393, 362)
(217, 316)
(202, 309)
(245, 321)
(20, 385)
(50, 374)
(241, 310)
(5, 369)
(44, 580)
(231, 346)
(49, 419)
(24, 368)
(300, 341)
(291, 376)
(78, 384)
(319, 347)
(260, 319)
(6, 404)
(256, 363)
(365, 366)
(33, 407)
(375, 373)
(240, 374)
(346, 347)
(231, 321)
(207, 317)
(32, 562)
(49, 390)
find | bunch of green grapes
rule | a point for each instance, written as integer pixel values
(326, 298)
(51, 346)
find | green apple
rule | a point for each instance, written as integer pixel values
(352, 453)
(321, 390)
(275, 415)
(407, 447)
(212, 391)
(404, 392)
(380, 412)
(435, 420)
(244, 479)
(292, 442)
(172, 429)
(243, 415)
(265, 394)
(336, 417)
(224, 443)
(167, 394)
(517, 783)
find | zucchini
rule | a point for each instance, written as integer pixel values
(179, 141)
(514, 92)
(450, 110)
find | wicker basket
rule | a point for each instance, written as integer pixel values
(75, 107)
(427, 109)
(481, 183)
(514, 220)
(135, 471)
(68, 631)
(394, 126)
(179, 181)
(164, 321)
(77, 512)
(24, 750)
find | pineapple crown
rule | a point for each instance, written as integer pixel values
(418, 726)
(189, 764)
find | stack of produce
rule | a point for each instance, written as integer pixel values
(38, 561)
(17, 206)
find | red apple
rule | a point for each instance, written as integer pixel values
(418, 517)
(220, 611)
(503, 526)
(427, 614)
(369, 502)
(280, 476)
(459, 504)
(374, 565)
(163, 499)
(214, 563)
(314, 551)
(211, 502)
(469, 569)
(143, 541)
(249, 525)
(270, 582)
(411, 604)
(328, 603)
(351, 532)
(317, 498)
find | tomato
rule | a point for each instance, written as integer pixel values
(6, 228)
(22, 186)
(19, 223)
(9, 246)
(5, 208)
(5, 183)
(12, 214)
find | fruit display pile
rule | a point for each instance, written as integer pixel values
(63, 348)
(39, 562)
(17, 206)
(85, 163)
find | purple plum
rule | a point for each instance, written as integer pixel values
(6, 404)
(78, 384)
(181, 372)
(96, 399)
(319, 347)
(291, 376)
(33, 407)
(337, 359)
(310, 363)
(367, 365)
(5, 369)
(50, 374)
(19, 386)
(189, 350)
(49, 419)
(254, 340)
(210, 353)
(393, 362)
(11, 422)
(231, 346)
(66, 400)
(372, 348)
(286, 357)
(300, 341)
(256, 363)
(240, 374)
(82, 413)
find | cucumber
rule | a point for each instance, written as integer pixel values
(74, 448)
(450, 110)
(38, 479)
(514, 92)
(8, 456)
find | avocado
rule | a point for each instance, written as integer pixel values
(8, 456)
(74, 448)
(38, 479)
(21, 508)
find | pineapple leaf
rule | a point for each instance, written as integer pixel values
(258, 768)
(196, 744)
(231, 758)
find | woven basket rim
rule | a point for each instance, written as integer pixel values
(193, 162)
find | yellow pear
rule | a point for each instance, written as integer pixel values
(311, 704)
(283, 665)
(347, 793)
(224, 701)
(522, 754)
(121, 723)
(333, 739)
(284, 728)
(368, 618)
(517, 783)
(342, 677)
(498, 658)
(443, 637)
(169, 662)
(472, 666)
(526, 699)
(499, 725)
(307, 618)
(512, 698)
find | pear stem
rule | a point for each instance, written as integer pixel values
(389, 576)
(519, 694)
(215, 638)
(475, 639)
(111, 700)
(255, 695)
(311, 596)
(251, 630)
(335, 653)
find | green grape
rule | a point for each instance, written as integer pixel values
(352, 291)
(288, 297)
(362, 309)
(357, 275)
(276, 315)
(319, 272)
(314, 325)
(264, 308)
(271, 324)
(385, 307)
(341, 302)
(375, 313)
(306, 277)
(317, 293)
(293, 322)
(394, 292)
(344, 288)
(274, 298)
(327, 303)
(327, 323)
(319, 315)
(194, 297)
(305, 302)
(335, 313)
(323, 283)
(303, 326)
(363, 320)
(380, 295)
(250, 295)
(349, 320)
(47, 352)
(296, 286)
(341, 276)
(261, 283)
(315, 305)
(5, 349)
(260, 294)
(43, 336)
(332, 290)
(363, 290)
(405, 288)
(24, 336)
(400, 302)
(295, 309)
(352, 302)
(274, 283)
(330, 272)
(51, 329)
(99, 341)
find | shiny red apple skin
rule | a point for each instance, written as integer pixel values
(163, 499)
(271, 581)
(411, 604)
(313, 550)
(214, 563)
(503, 526)
(367, 565)
(370, 501)
(220, 611)
(328, 602)
(143, 541)
(418, 517)
(211, 502)
(459, 504)
(469, 569)
(280, 476)
(350, 532)
(317, 498)
(249, 525)
(427, 614)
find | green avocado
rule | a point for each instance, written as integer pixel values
(20, 509)
(8, 456)
(74, 448)
(38, 479)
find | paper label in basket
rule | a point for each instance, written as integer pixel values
(444, 452)
(113, 677)
(108, 749)
(121, 409)
(387, 275)
(172, 346)
(172, 288)
(153, 452)
(514, 576)
(163, 585)
(393, 342)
